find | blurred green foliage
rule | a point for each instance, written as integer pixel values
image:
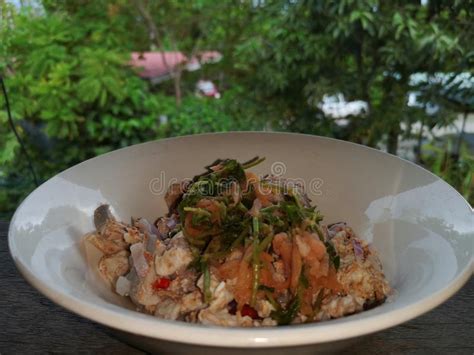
(74, 96)
(457, 171)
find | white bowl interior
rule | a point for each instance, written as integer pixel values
(421, 227)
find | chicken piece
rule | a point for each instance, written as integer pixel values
(269, 322)
(176, 258)
(264, 308)
(246, 321)
(279, 274)
(110, 240)
(108, 247)
(339, 306)
(221, 296)
(213, 285)
(115, 265)
(192, 302)
(222, 318)
(132, 236)
(110, 234)
(171, 306)
(217, 312)
(184, 283)
(160, 247)
(142, 292)
(168, 308)
(360, 272)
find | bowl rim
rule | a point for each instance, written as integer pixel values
(145, 325)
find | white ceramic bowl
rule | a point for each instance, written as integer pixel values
(422, 228)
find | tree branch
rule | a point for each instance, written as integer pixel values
(155, 39)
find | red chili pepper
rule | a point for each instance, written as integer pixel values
(162, 283)
(249, 311)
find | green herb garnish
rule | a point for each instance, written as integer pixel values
(286, 316)
(207, 283)
(266, 288)
(255, 260)
(333, 257)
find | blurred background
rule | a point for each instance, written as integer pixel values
(86, 77)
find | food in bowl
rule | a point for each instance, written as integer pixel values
(236, 249)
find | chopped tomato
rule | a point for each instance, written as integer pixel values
(282, 246)
(211, 206)
(249, 311)
(267, 278)
(266, 257)
(264, 194)
(229, 269)
(307, 300)
(251, 179)
(331, 281)
(161, 283)
(317, 247)
(188, 226)
(243, 286)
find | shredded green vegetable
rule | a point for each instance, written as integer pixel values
(265, 243)
(255, 261)
(285, 316)
(207, 284)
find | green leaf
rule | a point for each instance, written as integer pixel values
(89, 89)
(8, 151)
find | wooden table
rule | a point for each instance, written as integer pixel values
(29, 322)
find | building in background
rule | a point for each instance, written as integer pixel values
(159, 66)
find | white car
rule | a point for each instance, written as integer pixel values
(337, 107)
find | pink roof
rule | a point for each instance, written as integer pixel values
(154, 66)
